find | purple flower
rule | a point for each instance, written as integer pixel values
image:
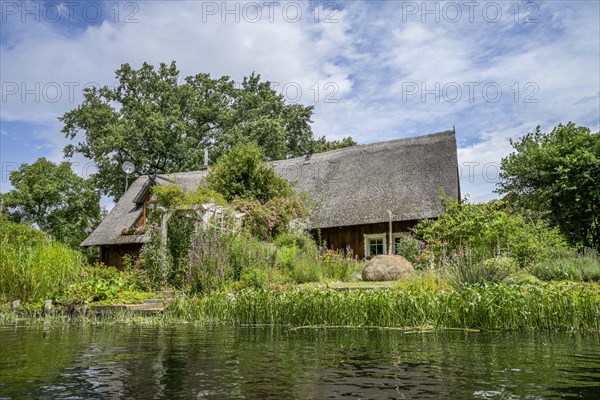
(421, 244)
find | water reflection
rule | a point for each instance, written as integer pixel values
(91, 362)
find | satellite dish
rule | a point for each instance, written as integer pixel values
(128, 167)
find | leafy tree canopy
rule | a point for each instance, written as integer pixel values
(322, 144)
(163, 124)
(558, 175)
(244, 173)
(53, 198)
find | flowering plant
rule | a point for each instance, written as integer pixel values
(339, 263)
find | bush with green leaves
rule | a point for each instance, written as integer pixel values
(301, 241)
(171, 196)
(311, 264)
(99, 283)
(244, 173)
(415, 251)
(13, 233)
(306, 268)
(255, 278)
(156, 260)
(271, 219)
(489, 230)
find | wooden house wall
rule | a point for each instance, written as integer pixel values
(353, 236)
(112, 255)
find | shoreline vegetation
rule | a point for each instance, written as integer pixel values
(494, 271)
(500, 265)
(563, 306)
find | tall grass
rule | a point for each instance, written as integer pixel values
(468, 270)
(38, 271)
(492, 307)
(581, 267)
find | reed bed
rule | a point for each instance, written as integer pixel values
(36, 272)
(489, 307)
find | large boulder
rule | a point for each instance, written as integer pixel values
(387, 268)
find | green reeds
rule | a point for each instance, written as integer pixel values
(488, 307)
(36, 272)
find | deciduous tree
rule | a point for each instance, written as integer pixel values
(53, 198)
(558, 174)
(162, 123)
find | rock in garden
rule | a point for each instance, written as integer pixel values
(387, 268)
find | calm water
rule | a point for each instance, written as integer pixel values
(276, 363)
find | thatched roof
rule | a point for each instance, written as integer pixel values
(128, 209)
(350, 186)
(358, 185)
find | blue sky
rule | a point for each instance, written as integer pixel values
(376, 71)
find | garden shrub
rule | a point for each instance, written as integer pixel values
(180, 229)
(106, 284)
(306, 268)
(171, 196)
(268, 220)
(491, 230)
(156, 260)
(338, 264)
(302, 241)
(415, 251)
(244, 173)
(255, 278)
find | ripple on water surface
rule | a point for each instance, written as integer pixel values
(97, 362)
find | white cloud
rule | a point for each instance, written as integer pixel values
(365, 56)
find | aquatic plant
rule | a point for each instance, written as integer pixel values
(491, 307)
(32, 268)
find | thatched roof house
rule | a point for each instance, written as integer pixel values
(354, 189)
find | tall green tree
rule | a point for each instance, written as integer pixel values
(558, 175)
(53, 198)
(321, 144)
(243, 172)
(162, 123)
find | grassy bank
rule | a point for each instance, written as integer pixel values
(494, 307)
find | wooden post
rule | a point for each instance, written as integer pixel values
(390, 240)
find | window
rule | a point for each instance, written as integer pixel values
(375, 244)
(396, 238)
(147, 208)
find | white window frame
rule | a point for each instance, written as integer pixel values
(394, 236)
(368, 237)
